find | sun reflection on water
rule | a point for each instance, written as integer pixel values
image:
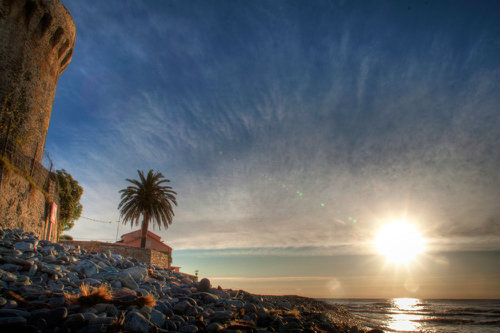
(400, 319)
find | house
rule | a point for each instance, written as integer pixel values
(153, 241)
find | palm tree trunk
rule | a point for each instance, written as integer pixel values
(144, 231)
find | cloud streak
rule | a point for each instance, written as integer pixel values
(274, 129)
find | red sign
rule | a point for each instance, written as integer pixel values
(53, 213)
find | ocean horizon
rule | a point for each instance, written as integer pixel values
(424, 315)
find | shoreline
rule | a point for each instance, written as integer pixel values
(48, 286)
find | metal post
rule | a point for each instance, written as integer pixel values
(33, 161)
(6, 138)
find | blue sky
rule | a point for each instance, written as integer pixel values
(288, 128)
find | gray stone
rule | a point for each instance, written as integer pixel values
(128, 281)
(9, 322)
(74, 322)
(250, 308)
(7, 276)
(110, 309)
(33, 270)
(11, 268)
(208, 297)
(89, 315)
(135, 322)
(215, 327)
(24, 246)
(157, 318)
(101, 321)
(234, 302)
(14, 312)
(87, 268)
(181, 306)
(96, 328)
(222, 293)
(189, 329)
(204, 285)
(222, 316)
(137, 273)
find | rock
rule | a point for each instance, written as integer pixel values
(354, 329)
(7, 276)
(234, 302)
(13, 268)
(95, 328)
(250, 308)
(11, 304)
(9, 322)
(208, 297)
(157, 318)
(135, 322)
(56, 302)
(86, 268)
(24, 246)
(74, 322)
(33, 269)
(110, 309)
(53, 317)
(222, 316)
(285, 305)
(181, 306)
(204, 285)
(102, 321)
(215, 327)
(127, 281)
(137, 273)
(189, 329)
(222, 294)
(14, 313)
(2, 301)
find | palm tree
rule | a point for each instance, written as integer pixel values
(149, 198)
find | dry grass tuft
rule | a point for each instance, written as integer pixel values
(145, 301)
(90, 297)
(292, 313)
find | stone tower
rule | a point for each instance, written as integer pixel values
(36, 45)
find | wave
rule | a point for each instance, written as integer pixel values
(454, 321)
(492, 323)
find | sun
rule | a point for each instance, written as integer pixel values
(400, 242)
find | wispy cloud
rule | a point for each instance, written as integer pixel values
(278, 133)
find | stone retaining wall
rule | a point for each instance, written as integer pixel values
(24, 206)
(148, 256)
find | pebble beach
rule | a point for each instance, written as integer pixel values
(52, 287)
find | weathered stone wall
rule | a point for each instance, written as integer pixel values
(24, 206)
(148, 256)
(36, 46)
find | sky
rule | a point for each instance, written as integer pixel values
(292, 131)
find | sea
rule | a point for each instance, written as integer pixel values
(424, 315)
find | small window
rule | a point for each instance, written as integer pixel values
(148, 243)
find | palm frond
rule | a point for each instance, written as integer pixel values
(148, 198)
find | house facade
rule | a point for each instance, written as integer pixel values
(153, 241)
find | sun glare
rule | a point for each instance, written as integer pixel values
(400, 242)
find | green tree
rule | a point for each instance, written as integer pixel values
(70, 193)
(150, 199)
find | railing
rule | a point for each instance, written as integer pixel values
(33, 170)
